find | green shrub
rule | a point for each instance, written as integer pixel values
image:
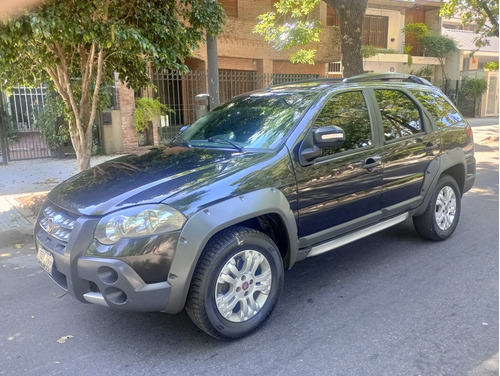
(438, 46)
(472, 88)
(417, 29)
(147, 110)
(491, 65)
(51, 122)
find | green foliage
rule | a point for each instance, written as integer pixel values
(417, 29)
(51, 121)
(491, 65)
(407, 50)
(6, 120)
(78, 45)
(483, 13)
(388, 51)
(438, 45)
(130, 34)
(146, 110)
(369, 51)
(426, 71)
(472, 88)
(289, 27)
(469, 94)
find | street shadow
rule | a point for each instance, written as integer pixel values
(162, 332)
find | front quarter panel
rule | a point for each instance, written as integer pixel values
(207, 222)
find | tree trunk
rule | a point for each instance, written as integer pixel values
(351, 15)
(83, 147)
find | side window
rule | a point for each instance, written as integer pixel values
(400, 116)
(441, 110)
(349, 112)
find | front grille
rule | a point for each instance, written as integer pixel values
(93, 287)
(57, 223)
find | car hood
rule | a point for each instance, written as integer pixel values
(148, 178)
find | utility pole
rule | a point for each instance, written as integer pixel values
(3, 132)
(212, 71)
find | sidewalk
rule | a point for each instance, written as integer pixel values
(20, 179)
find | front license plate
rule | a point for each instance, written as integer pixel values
(45, 259)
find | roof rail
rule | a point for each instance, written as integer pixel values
(387, 77)
(306, 81)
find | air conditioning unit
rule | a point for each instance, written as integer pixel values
(335, 67)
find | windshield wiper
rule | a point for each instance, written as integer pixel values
(226, 141)
(182, 141)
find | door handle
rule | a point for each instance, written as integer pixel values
(371, 163)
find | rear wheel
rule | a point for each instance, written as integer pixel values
(236, 283)
(440, 219)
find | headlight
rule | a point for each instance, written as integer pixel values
(138, 222)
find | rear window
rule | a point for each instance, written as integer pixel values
(443, 112)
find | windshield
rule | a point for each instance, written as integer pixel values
(257, 121)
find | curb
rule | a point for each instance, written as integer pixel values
(22, 234)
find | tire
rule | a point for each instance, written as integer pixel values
(440, 219)
(236, 283)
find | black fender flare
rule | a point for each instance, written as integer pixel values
(205, 223)
(445, 161)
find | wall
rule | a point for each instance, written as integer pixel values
(112, 137)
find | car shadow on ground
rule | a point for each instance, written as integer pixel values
(305, 285)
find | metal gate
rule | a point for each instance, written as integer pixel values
(177, 91)
(22, 136)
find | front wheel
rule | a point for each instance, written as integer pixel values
(440, 219)
(236, 284)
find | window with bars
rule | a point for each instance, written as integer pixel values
(331, 17)
(375, 31)
(374, 28)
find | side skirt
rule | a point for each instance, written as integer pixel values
(353, 236)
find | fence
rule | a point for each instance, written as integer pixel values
(178, 92)
(24, 140)
(485, 105)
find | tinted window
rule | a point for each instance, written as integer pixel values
(349, 112)
(443, 112)
(400, 116)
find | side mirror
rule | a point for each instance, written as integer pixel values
(317, 139)
(329, 137)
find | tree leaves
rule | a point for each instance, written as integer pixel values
(77, 45)
(483, 13)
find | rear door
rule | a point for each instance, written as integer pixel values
(409, 146)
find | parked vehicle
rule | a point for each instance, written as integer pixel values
(263, 181)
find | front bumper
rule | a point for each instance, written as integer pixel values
(107, 281)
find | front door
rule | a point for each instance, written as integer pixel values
(344, 185)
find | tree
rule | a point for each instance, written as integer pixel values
(77, 45)
(439, 46)
(300, 31)
(483, 13)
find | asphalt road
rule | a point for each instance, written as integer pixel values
(390, 304)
